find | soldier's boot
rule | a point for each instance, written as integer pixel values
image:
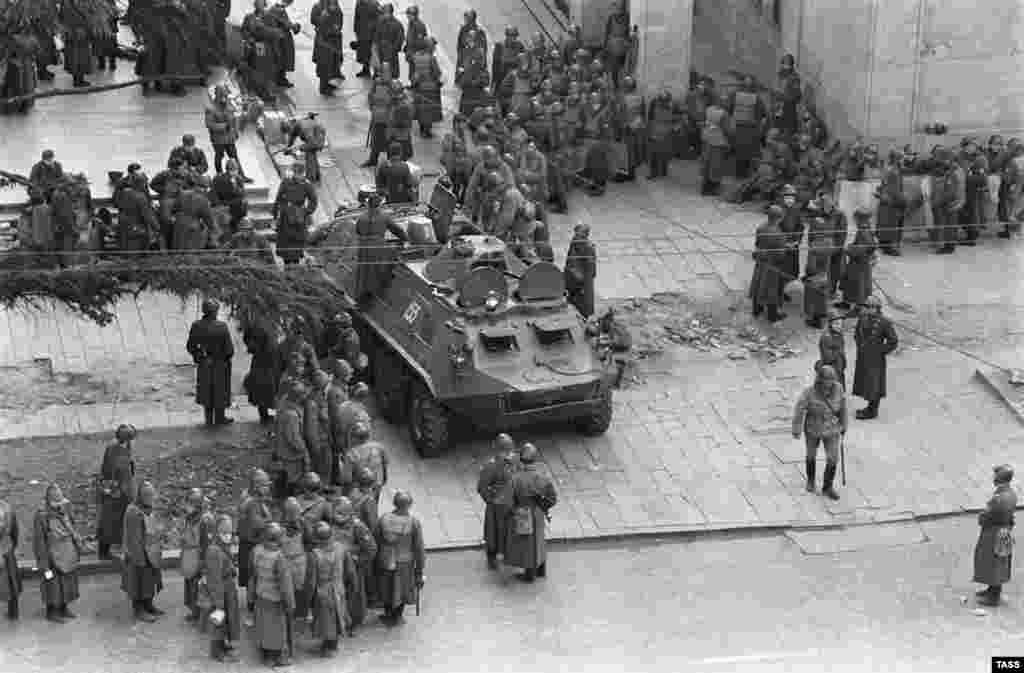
(152, 609)
(66, 613)
(773, 314)
(868, 412)
(492, 561)
(141, 614)
(13, 610)
(208, 416)
(103, 552)
(984, 592)
(220, 417)
(53, 615)
(812, 469)
(542, 570)
(992, 598)
(527, 575)
(830, 475)
(112, 63)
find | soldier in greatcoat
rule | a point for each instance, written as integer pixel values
(471, 39)
(317, 426)
(662, 122)
(400, 559)
(271, 585)
(10, 577)
(292, 450)
(264, 370)
(351, 413)
(416, 37)
(366, 15)
(494, 488)
(816, 295)
(142, 577)
(375, 255)
(766, 282)
(506, 56)
(209, 343)
(426, 86)
(993, 554)
(328, 19)
(748, 116)
(293, 208)
(581, 270)
(197, 530)
(116, 489)
(278, 16)
(835, 224)
(363, 495)
(138, 227)
(365, 453)
(892, 206)
(857, 280)
(832, 346)
(263, 54)
(533, 496)
(314, 140)
(58, 550)
(313, 506)
(253, 517)
(193, 221)
(358, 540)
(381, 101)
(333, 574)
(220, 573)
(820, 416)
(876, 339)
(389, 38)
(295, 544)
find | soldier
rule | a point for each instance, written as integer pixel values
(400, 559)
(253, 518)
(835, 223)
(767, 280)
(476, 195)
(715, 139)
(792, 226)
(364, 453)
(295, 541)
(505, 57)
(557, 74)
(581, 270)
(58, 550)
(662, 124)
(947, 198)
(342, 341)
(876, 339)
(313, 506)
(532, 177)
(832, 347)
(351, 413)
(169, 184)
(416, 37)
(264, 371)
(516, 90)
(116, 489)
(559, 165)
(815, 279)
(193, 156)
(209, 344)
(402, 115)
(395, 179)
(192, 215)
(10, 577)
(470, 41)
(455, 156)
(632, 121)
(262, 40)
(791, 93)
(363, 495)
(472, 77)
(333, 572)
(271, 585)
(993, 554)
(616, 40)
(749, 117)
(891, 207)
(317, 421)
(494, 488)
(516, 136)
(857, 281)
(314, 140)
(358, 540)
(278, 16)
(196, 531)
(292, 450)
(138, 227)
(220, 573)
(78, 43)
(696, 104)
(293, 208)
(143, 554)
(223, 128)
(426, 86)
(389, 38)
(381, 100)
(533, 496)
(820, 415)
(375, 255)
(367, 14)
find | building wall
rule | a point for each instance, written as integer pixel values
(736, 36)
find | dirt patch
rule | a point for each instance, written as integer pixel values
(35, 386)
(175, 459)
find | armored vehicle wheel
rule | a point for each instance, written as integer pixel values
(388, 384)
(599, 419)
(428, 422)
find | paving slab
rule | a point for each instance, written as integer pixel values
(856, 538)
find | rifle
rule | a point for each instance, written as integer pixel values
(419, 589)
(842, 456)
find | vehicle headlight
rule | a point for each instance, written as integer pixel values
(492, 302)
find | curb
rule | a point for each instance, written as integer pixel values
(998, 383)
(172, 557)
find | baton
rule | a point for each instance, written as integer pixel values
(842, 456)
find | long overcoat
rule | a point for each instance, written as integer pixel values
(117, 488)
(495, 488)
(580, 273)
(535, 493)
(875, 338)
(10, 577)
(858, 280)
(993, 555)
(327, 45)
(334, 574)
(209, 344)
(58, 549)
(221, 573)
(265, 368)
(768, 259)
(374, 256)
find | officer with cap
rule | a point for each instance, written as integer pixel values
(494, 488)
(768, 280)
(876, 339)
(375, 255)
(858, 278)
(116, 489)
(993, 554)
(209, 343)
(533, 496)
(293, 209)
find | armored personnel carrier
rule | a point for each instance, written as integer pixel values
(466, 332)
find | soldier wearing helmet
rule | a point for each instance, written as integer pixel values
(313, 506)
(832, 346)
(209, 343)
(471, 39)
(533, 497)
(197, 529)
(352, 534)
(632, 119)
(253, 517)
(617, 40)
(767, 282)
(858, 280)
(876, 338)
(494, 488)
(505, 57)
(364, 495)
(365, 453)
(58, 550)
(143, 554)
(401, 559)
(116, 489)
(292, 449)
(273, 588)
(820, 417)
(478, 193)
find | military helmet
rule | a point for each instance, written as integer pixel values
(259, 478)
(365, 476)
(342, 507)
(511, 31)
(360, 432)
(291, 510)
(789, 190)
(402, 499)
(413, 10)
(125, 432)
(511, 119)
(557, 108)
(360, 390)
(1003, 474)
(628, 82)
(322, 532)
(310, 481)
(273, 532)
(528, 453)
(581, 54)
(493, 180)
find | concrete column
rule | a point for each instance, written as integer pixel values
(666, 31)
